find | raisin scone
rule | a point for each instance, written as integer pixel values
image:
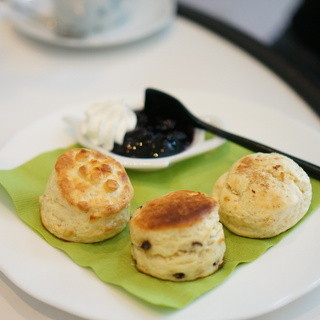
(87, 197)
(178, 236)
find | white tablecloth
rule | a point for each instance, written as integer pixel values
(36, 79)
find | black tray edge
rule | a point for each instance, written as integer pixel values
(309, 92)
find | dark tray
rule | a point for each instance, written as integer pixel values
(290, 73)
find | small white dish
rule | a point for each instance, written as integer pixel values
(199, 145)
(143, 18)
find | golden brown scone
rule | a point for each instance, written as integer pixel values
(87, 197)
(262, 195)
(178, 236)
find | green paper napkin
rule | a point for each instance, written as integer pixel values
(111, 259)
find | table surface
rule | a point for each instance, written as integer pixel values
(37, 79)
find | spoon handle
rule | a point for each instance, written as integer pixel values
(312, 169)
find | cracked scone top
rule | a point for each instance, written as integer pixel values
(262, 195)
(178, 236)
(87, 197)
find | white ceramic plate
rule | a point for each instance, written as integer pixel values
(282, 274)
(143, 18)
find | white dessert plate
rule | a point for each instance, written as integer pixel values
(275, 279)
(142, 19)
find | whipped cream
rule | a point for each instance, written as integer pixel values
(107, 123)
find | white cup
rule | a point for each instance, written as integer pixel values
(80, 18)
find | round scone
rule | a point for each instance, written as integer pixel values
(87, 197)
(262, 195)
(178, 236)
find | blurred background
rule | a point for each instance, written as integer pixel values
(290, 27)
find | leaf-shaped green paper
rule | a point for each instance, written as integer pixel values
(111, 259)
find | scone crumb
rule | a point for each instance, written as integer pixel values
(93, 162)
(83, 171)
(82, 155)
(111, 185)
(96, 175)
(94, 217)
(68, 233)
(83, 205)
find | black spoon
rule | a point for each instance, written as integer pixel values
(160, 103)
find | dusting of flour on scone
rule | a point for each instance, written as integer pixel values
(87, 197)
(178, 236)
(262, 195)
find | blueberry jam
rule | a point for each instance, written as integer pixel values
(155, 137)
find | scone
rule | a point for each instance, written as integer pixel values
(262, 195)
(87, 197)
(178, 236)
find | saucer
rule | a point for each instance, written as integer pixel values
(198, 146)
(142, 19)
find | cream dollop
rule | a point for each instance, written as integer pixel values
(107, 122)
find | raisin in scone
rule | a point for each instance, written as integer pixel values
(262, 195)
(178, 236)
(87, 197)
